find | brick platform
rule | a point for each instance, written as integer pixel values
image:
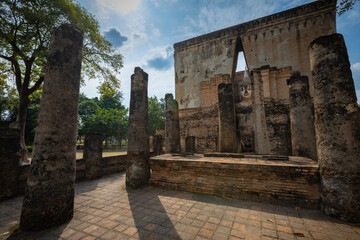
(293, 182)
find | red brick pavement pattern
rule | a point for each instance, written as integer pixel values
(105, 210)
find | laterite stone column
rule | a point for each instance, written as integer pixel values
(158, 144)
(138, 153)
(227, 125)
(172, 128)
(301, 117)
(49, 195)
(93, 155)
(337, 127)
(190, 144)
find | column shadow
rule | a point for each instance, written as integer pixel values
(149, 214)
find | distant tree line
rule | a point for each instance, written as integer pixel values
(105, 114)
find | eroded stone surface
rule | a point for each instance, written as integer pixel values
(93, 155)
(172, 129)
(158, 144)
(49, 195)
(137, 169)
(190, 146)
(227, 122)
(302, 118)
(337, 127)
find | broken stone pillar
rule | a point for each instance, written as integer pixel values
(301, 117)
(137, 168)
(190, 144)
(93, 155)
(157, 144)
(9, 161)
(261, 135)
(227, 125)
(172, 129)
(49, 195)
(337, 128)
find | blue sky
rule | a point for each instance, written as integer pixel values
(145, 31)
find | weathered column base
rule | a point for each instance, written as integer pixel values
(58, 211)
(340, 197)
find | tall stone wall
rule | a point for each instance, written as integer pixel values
(337, 127)
(279, 40)
(200, 63)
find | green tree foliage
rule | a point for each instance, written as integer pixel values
(87, 106)
(25, 32)
(156, 114)
(346, 5)
(110, 122)
(105, 115)
(110, 98)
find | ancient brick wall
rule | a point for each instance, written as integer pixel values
(271, 110)
(289, 185)
(277, 114)
(203, 122)
(209, 90)
(109, 165)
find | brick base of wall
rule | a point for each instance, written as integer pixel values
(294, 182)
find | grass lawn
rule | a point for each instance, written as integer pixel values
(106, 153)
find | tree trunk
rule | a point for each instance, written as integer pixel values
(20, 124)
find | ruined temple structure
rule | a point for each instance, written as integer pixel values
(275, 47)
(296, 103)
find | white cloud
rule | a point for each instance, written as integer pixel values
(121, 6)
(157, 3)
(355, 67)
(213, 16)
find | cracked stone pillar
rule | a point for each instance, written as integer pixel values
(9, 161)
(190, 144)
(137, 168)
(49, 194)
(172, 128)
(337, 128)
(93, 155)
(158, 144)
(227, 125)
(301, 117)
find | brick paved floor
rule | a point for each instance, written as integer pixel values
(105, 210)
